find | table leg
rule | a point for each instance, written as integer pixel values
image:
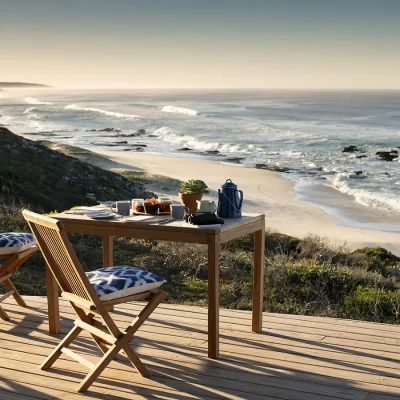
(213, 296)
(52, 302)
(108, 248)
(258, 280)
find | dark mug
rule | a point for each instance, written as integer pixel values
(123, 207)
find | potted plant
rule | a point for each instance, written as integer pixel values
(191, 191)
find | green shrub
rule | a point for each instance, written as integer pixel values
(374, 304)
(379, 253)
(378, 259)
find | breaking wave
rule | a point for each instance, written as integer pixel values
(31, 110)
(33, 100)
(75, 107)
(36, 116)
(179, 110)
(201, 145)
(35, 113)
(378, 200)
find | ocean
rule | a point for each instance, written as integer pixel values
(303, 131)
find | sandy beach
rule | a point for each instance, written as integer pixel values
(286, 211)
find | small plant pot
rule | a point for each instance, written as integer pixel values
(190, 200)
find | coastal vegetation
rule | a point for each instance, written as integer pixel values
(303, 276)
(33, 175)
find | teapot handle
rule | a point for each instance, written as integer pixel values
(241, 200)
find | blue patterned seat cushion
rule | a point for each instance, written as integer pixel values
(123, 280)
(14, 242)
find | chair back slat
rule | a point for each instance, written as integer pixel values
(60, 256)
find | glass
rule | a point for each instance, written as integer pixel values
(138, 206)
(164, 204)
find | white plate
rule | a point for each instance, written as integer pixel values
(85, 210)
(100, 215)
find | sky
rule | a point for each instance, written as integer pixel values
(276, 44)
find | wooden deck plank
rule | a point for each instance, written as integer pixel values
(295, 358)
(241, 320)
(355, 356)
(257, 384)
(298, 331)
(273, 377)
(269, 343)
(286, 345)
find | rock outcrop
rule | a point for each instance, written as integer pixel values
(388, 155)
(350, 149)
(274, 168)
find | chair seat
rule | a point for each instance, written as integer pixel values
(122, 280)
(15, 242)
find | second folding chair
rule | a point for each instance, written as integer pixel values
(15, 249)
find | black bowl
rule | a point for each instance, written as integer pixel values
(151, 208)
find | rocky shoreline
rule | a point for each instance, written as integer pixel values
(387, 155)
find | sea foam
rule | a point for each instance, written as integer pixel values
(375, 199)
(33, 100)
(100, 111)
(179, 110)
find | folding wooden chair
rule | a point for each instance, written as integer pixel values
(11, 263)
(92, 314)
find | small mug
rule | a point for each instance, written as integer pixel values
(206, 206)
(123, 207)
(178, 211)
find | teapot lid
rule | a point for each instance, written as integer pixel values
(228, 184)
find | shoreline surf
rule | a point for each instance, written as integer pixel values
(303, 132)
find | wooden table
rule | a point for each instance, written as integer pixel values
(175, 232)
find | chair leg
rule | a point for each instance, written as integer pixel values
(99, 368)
(10, 286)
(136, 361)
(3, 314)
(145, 313)
(88, 318)
(73, 333)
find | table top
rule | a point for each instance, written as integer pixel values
(132, 226)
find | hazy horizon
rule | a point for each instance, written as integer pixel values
(223, 45)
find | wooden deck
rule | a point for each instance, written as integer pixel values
(296, 357)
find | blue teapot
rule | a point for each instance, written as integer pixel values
(229, 201)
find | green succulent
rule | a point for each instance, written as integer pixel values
(194, 186)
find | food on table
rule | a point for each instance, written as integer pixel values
(151, 205)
